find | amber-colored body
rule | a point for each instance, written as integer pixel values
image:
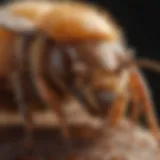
(93, 63)
(46, 15)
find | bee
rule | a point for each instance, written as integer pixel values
(73, 50)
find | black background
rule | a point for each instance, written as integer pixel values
(140, 21)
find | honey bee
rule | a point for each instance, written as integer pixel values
(73, 49)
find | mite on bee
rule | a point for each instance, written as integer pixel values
(73, 49)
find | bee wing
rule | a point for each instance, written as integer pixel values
(16, 24)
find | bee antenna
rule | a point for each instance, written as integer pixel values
(149, 64)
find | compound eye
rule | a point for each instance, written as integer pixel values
(105, 97)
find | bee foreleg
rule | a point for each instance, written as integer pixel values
(117, 110)
(135, 108)
(145, 100)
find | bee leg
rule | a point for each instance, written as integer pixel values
(117, 110)
(37, 53)
(135, 110)
(18, 69)
(52, 101)
(23, 108)
(143, 92)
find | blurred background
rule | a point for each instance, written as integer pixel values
(140, 21)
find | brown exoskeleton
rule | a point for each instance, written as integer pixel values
(72, 49)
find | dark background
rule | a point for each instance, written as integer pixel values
(140, 21)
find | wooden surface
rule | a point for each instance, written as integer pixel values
(91, 140)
